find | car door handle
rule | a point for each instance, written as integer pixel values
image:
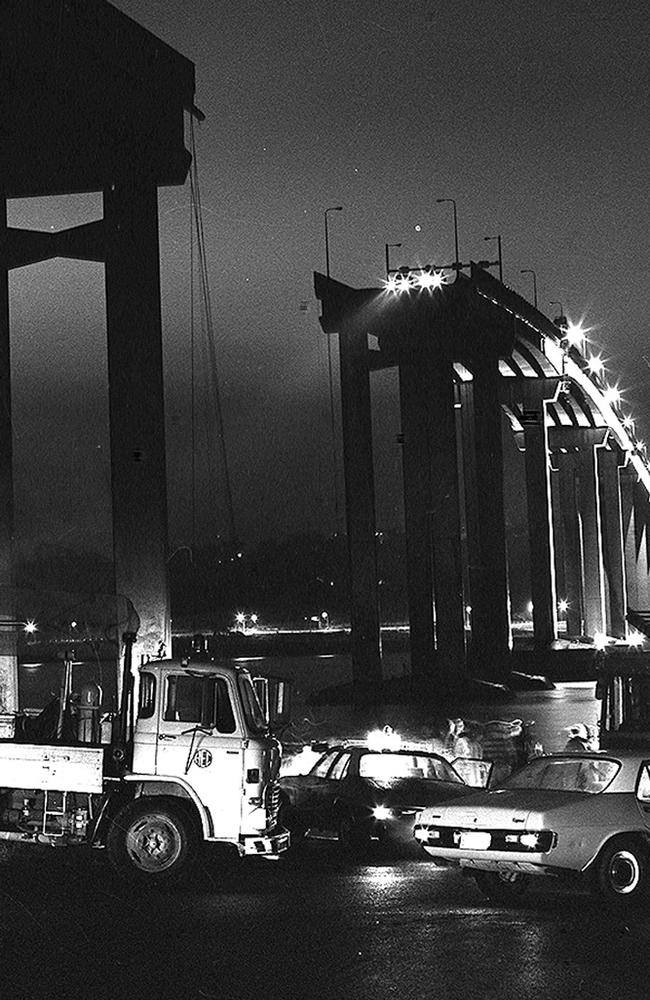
(166, 736)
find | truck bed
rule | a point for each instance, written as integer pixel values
(55, 768)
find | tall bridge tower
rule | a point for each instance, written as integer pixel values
(91, 101)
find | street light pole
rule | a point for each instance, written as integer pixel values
(335, 208)
(528, 270)
(498, 239)
(452, 202)
(388, 247)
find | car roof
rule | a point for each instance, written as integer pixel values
(359, 747)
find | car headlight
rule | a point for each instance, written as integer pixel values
(382, 812)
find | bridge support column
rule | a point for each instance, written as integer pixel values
(491, 637)
(360, 509)
(432, 509)
(416, 470)
(636, 542)
(567, 527)
(610, 461)
(135, 378)
(581, 515)
(8, 659)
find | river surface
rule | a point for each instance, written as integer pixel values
(552, 711)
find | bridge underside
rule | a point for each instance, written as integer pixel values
(474, 361)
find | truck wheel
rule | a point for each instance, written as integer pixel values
(621, 869)
(352, 836)
(151, 840)
(502, 887)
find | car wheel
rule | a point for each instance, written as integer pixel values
(621, 870)
(291, 820)
(502, 887)
(352, 836)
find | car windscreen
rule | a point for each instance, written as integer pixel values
(393, 766)
(565, 774)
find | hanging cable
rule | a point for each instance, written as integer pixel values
(209, 326)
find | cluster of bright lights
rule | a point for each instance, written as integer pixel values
(575, 336)
(420, 279)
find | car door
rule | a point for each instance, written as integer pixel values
(307, 787)
(200, 741)
(330, 791)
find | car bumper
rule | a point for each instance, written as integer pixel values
(266, 845)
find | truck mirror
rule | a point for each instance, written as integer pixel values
(274, 694)
(600, 690)
(261, 685)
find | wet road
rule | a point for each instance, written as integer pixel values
(313, 925)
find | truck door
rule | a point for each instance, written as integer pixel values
(200, 740)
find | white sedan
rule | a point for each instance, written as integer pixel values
(568, 814)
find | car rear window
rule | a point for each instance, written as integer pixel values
(570, 774)
(388, 766)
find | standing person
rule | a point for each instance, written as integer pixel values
(578, 740)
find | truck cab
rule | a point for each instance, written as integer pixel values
(201, 735)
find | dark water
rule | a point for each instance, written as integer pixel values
(552, 711)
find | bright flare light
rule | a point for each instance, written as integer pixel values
(575, 334)
(384, 739)
(635, 638)
(563, 606)
(600, 640)
(431, 279)
(611, 395)
(595, 363)
(405, 281)
(30, 627)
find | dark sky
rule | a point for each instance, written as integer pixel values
(533, 116)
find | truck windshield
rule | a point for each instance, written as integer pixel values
(253, 711)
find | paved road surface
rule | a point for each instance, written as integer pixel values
(313, 925)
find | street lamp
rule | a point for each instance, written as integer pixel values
(498, 239)
(388, 247)
(528, 270)
(335, 208)
(452, 202)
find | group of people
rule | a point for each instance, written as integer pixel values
(507, 745)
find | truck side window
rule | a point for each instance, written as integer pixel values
(147, 698)
(184, 699)
(224, 717)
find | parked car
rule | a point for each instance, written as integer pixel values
(570, 814)
(361, 794)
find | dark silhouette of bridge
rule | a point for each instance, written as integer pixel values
(469, 351)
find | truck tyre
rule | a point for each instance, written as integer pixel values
(502, 887)
(151, 840)
(621, 870)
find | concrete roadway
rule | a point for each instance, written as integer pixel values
(313, 925)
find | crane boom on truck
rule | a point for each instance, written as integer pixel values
(197, 764)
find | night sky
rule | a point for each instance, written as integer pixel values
(533, 116)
